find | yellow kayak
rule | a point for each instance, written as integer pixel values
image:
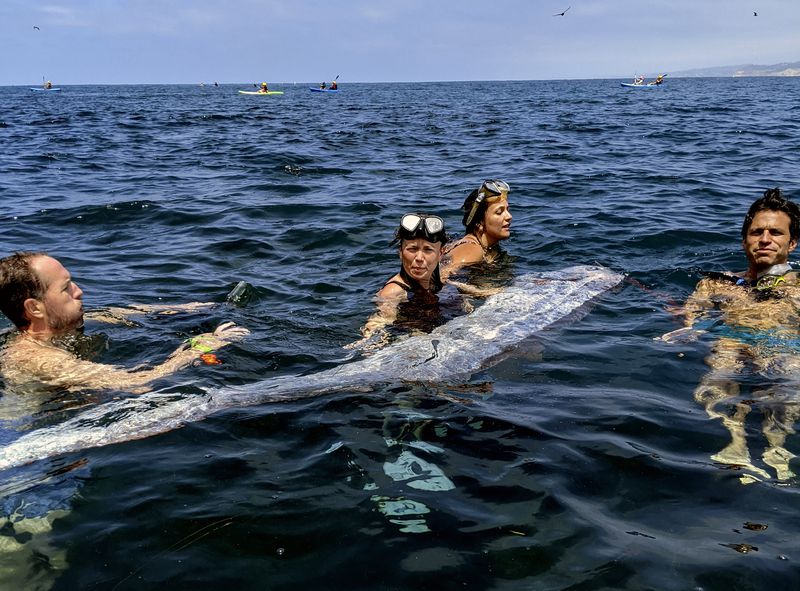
(259, 92)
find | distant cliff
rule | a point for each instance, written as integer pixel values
(783, 69)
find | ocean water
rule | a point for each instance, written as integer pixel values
(581, 461)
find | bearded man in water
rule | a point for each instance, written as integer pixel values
(756, 314)
(39, 296)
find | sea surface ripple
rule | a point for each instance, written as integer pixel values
(579, 462)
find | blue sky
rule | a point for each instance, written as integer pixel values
(191, 41)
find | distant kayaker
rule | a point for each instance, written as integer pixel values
(334, 85)
(263, 88)
(48, 85)
(638, 80)
(487, 220)
(323, 86)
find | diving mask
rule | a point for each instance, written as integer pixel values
(418, 225)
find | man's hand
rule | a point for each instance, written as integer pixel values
(166, 309)
(225, 334)
(686, 334)
(117, 315)
(229, 332)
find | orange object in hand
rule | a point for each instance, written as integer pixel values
(210, 359)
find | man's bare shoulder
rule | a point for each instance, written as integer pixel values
(720, 287)
(23, 350)
(26, 360)
(737, 286)
(23, 356)
(722, 281)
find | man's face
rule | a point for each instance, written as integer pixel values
(768, 241)
(62, 298)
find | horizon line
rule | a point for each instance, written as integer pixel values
(294, 83)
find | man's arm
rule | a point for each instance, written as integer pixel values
(117, 315)
(699, 302)
(56, 367)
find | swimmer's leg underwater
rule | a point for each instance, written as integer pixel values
(781, 408)
(726, 361)
(779, 404)
(779, 420)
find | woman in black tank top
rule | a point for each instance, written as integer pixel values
(410, 295)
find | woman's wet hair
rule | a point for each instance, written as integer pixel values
(477, 202)
(479, 213)
(773, 200)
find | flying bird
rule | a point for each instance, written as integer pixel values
(563, 13)
(37, 28)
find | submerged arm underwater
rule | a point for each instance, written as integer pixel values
(452, 352)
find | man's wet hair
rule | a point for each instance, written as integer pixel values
(18, 282)
(773, 200)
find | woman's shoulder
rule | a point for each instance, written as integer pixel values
(465, 250)
(394, 288)
(467, 239)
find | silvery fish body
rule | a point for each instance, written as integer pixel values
(452, 352)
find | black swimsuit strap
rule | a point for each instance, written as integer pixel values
(399, 283)
(413, 286)
(468, 239)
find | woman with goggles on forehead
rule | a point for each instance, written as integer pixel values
(421, 238)
(487, 219)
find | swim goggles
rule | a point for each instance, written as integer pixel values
(768, 282)
(418, 225)
(494, 186)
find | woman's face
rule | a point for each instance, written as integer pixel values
(497, 221)
(419, 258)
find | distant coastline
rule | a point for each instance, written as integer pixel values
(782, 69)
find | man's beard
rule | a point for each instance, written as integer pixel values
(61, 325)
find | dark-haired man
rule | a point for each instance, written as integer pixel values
(39, 296)
(756, 314)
